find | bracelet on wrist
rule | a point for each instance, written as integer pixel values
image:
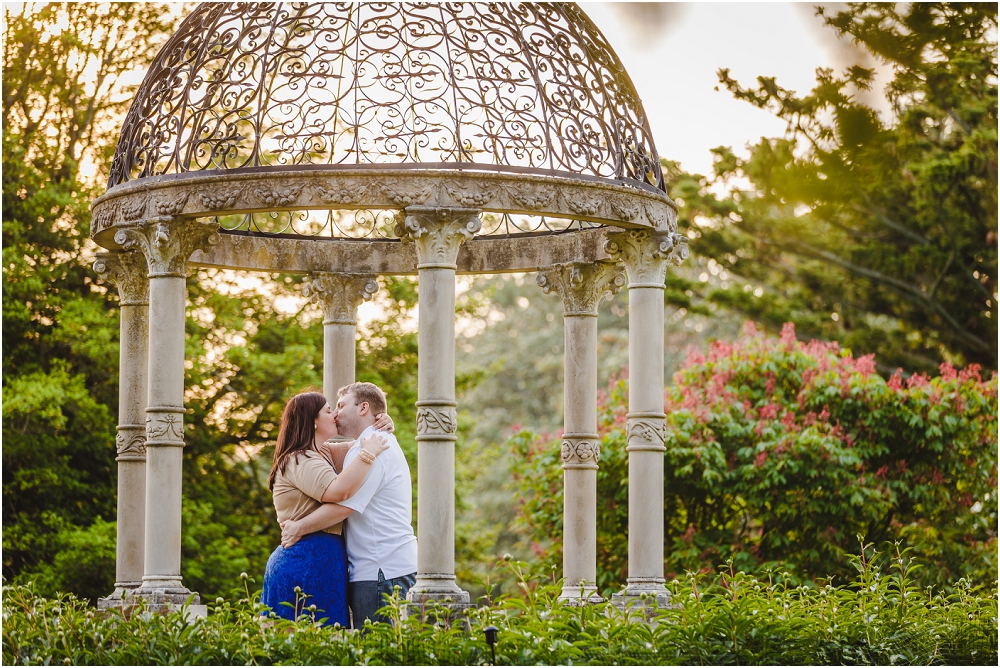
(366, 457)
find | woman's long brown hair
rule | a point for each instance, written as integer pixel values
(297, 432)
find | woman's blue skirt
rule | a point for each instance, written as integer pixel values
(318, 565)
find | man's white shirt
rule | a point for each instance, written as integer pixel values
(380, 530)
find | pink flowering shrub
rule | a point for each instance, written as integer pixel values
(780, 452)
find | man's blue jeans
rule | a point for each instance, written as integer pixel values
(366, 596)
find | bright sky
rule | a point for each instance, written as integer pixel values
(673, 50)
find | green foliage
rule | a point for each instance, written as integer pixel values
(878, 230)
(63, 101)
(62, 66)
(779, 452)
(730, 619)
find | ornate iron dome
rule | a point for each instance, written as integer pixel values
(529, 87)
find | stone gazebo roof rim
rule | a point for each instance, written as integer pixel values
(591, 201)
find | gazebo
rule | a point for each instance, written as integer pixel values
(349, 141)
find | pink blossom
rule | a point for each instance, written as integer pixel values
(947, 371)
(515, 428)
(917, 380)
(865, 365)
(689, 534)
(769, 385)
(769, 412)
(788, 334)
(693, 358)
(896, 382)
(760, 459)
(749, 328)
(818, 348)
(822, 363)
(788, 420)
(969, 373)
(718, 350)
(824, 415)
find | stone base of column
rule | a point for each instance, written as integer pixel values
(123, 590)
(156, 602)
(580, 595)
(643, 598)
(436, 596)
(439, 588)
(163, 597)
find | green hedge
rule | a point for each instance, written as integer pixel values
(881, 617)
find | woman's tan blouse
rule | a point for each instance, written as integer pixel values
(299, 490)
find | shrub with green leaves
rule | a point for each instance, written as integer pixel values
(733, 618)
(779, 452)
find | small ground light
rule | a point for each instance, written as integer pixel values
(491, 639)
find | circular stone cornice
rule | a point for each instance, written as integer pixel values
(221, 193)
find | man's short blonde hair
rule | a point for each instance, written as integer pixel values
(366, 392)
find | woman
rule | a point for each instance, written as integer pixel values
(303, 478)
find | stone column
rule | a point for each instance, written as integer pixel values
(437, 233)
(167, 244)
(339, 295)
(581, 286)
(127, 271)
(645, 255)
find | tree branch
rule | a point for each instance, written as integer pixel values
(937, 282)
(922, 297)
(910, 234)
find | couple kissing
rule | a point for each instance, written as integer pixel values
(345, 509)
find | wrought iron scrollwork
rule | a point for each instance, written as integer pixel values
(259, 85)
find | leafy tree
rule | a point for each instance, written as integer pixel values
(879, 231)
(63, 101)
(779, 453)
(62, 89)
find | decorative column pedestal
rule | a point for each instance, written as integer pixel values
(167, 243)
(437, 233)
(645, 255)
(127, 271)
(339, 295)
(582, 286)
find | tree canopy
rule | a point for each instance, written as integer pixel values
(878, 230)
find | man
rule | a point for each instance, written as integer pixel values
(381, 547)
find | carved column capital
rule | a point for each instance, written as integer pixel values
(339, 295)
(127, 272)
(438, 233)
(582, 285)
(168, 242)
(646, 254)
